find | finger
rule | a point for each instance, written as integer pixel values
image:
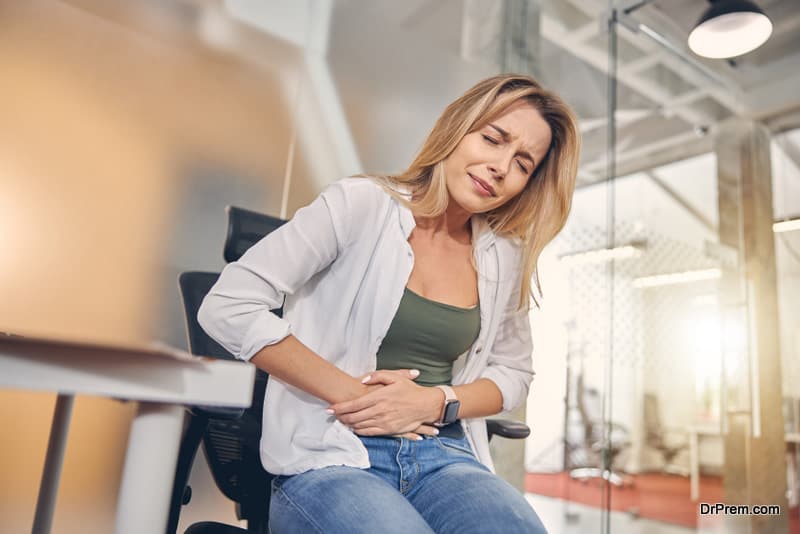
(369, 423)
(407, 373)
(410, 435)
(361, 416)
(362, 402)
(387, 377)
(371, 431)
(427, 430)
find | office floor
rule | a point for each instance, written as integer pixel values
(566, 517)
(652, 503)
(652, 496)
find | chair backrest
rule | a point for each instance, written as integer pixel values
(232, 445)
(194, 287)
(232, 437)
(652, 418)
(245, 229)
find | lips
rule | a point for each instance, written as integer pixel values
(483, 185)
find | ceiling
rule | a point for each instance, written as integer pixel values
(668, 98)
(397, 63)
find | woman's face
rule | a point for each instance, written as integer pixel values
(492, 165)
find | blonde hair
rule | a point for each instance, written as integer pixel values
(539, 212)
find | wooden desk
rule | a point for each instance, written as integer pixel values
(160, 379)
(792, 440)
(696, 432)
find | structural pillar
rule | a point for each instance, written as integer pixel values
(755, 464)
(507, 35)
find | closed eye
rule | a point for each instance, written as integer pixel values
(490, 139)
(522, 167)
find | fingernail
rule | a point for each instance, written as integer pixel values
(435, 431)
(418, 438)
(329, 411)
(366, 379)
(414, 373)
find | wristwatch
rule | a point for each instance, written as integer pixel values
(451, 406)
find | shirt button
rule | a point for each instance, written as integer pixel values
(478, 349)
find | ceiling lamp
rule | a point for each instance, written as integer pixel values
(730, 28)
(601, 255)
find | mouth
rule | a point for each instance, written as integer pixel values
(482, 186)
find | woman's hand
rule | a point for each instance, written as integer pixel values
(371, 384)
(427, 430)
(398, 407)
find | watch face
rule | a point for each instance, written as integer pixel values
(451, 412)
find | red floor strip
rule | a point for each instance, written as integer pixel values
(651, 495)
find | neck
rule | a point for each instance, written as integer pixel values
(454, 223)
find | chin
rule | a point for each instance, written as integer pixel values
(477, 206)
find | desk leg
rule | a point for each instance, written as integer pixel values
(791, 475)
(150, 461)
(54, 460)
(694, 467)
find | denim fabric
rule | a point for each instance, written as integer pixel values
(432, 485)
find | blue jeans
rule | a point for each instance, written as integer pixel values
(432, 485)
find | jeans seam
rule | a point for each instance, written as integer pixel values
(416, 470)
(399, 468)
(302, 512)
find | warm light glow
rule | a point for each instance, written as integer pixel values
(730, 35)
(786, 226)
(601, 255)
(705, 333)
(676, 278)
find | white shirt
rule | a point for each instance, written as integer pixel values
(341, 264)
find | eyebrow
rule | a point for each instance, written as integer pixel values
(506, 136)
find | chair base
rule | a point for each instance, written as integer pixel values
(585, 473)
(675, 470)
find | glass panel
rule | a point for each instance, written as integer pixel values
(786, 205)
(696, 367)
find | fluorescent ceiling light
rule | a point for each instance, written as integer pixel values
(669, 279)
(601, 255)
(730, 28)
(786, 226)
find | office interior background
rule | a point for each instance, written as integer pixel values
(667, 341)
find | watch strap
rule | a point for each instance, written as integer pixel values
(449, 397)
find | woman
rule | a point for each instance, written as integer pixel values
(405, 322)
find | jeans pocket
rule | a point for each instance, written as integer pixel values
(460, 445)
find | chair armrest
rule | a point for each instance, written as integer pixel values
(507, 428)
(216, 412)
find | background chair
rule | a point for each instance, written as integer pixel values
(231, 437)
(598, 438)
(668, 442)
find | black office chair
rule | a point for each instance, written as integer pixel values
(600, 438)
(667, 441)
(231, 437)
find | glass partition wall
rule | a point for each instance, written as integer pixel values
(696, 397)
(677, 281)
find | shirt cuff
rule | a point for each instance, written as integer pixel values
(267, 329)
(510, 388)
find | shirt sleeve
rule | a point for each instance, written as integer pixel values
(237, 310)
(509, 361)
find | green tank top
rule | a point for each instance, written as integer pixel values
(429, 336)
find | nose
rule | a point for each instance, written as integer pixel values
(500, 166)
